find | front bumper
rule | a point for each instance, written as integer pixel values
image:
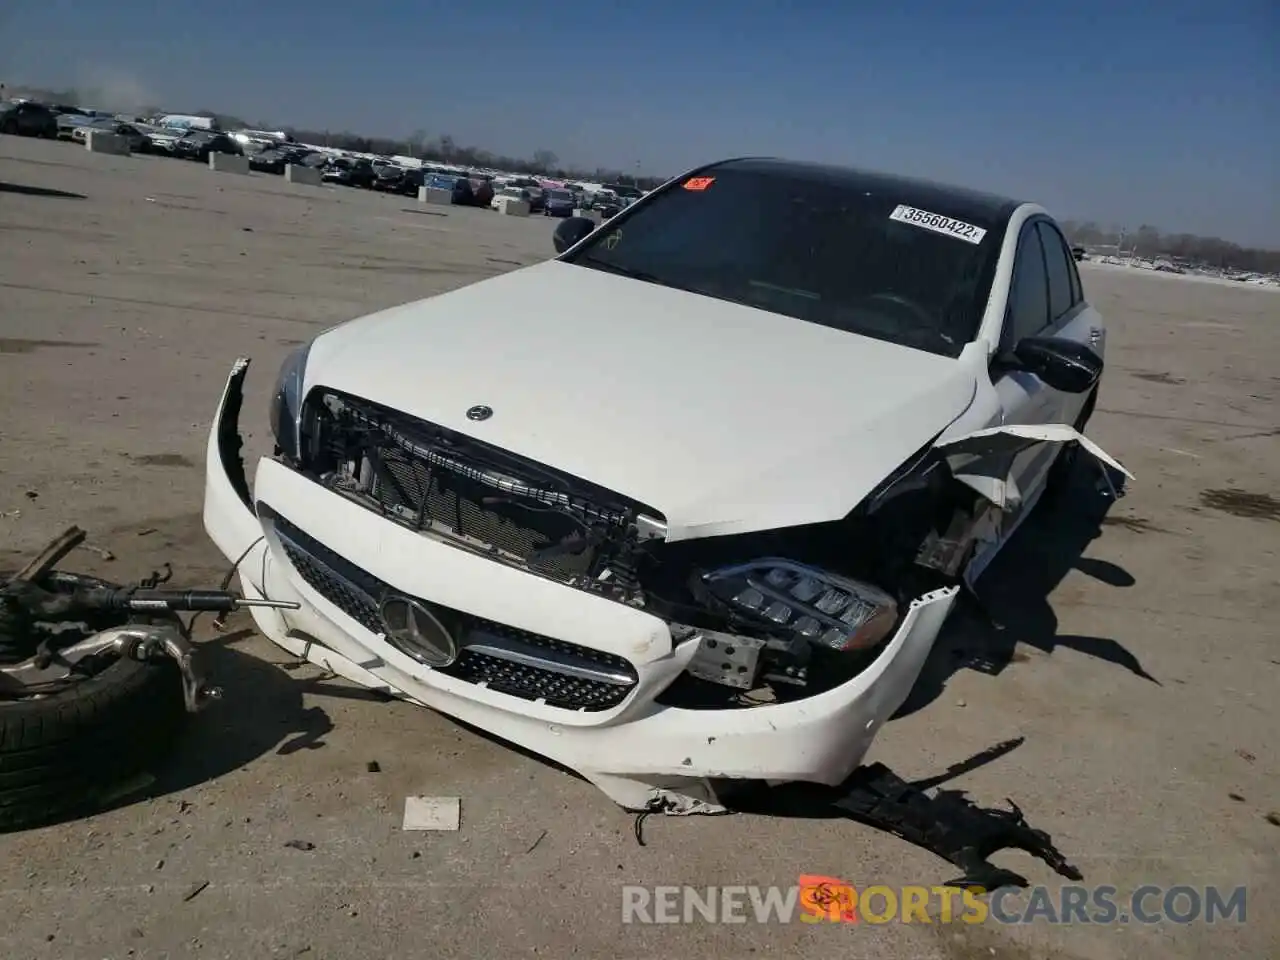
(637, 750)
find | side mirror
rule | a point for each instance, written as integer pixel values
(571, 232)
(1062, 364)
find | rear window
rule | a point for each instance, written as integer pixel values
(814, 249)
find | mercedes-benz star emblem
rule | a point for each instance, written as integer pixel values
(415, 631)
(480, 412)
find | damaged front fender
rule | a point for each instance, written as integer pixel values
(983, 460)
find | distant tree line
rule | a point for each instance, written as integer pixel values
(1182, 248)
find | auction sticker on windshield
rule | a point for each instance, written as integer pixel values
(938, 223)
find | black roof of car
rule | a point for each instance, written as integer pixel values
(958, 201)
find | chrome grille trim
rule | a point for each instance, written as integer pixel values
(507, 659)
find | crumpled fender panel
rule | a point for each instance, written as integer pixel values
(983, 459)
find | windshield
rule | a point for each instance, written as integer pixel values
(810, 247)
(564, 196)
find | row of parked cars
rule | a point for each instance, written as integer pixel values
(561, 201)
(268, 153)
(29, 118)
(374, 174)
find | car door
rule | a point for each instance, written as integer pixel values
(1046, 300)
(132, 134)
(1070, 315)
(1024, 397)
(28, 119)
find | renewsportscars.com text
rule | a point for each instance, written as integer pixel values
(1148, 904)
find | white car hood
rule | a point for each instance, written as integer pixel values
(724, 418)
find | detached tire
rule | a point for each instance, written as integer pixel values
(67, 752)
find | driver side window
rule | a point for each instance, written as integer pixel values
(1028, 310)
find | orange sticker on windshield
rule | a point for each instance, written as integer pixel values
(699, 183)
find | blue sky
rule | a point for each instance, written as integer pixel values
(1125, 112)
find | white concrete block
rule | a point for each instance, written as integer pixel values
(228, 163)
(297, 173)
(434, 195)
(103, 141)
(513, 206)
(593, 215)
(432, 813)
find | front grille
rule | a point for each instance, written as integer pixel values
(359, 594)
(430, 478)
(409, 487)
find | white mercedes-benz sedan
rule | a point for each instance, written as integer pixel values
(686, 506)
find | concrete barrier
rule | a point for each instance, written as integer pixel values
(297, 173)
(228, 163)
(104, 141)
(434, 195)
(513, 206)
(592, 215)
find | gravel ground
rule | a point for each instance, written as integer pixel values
(1140, 661)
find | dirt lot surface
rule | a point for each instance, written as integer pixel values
(1140, 660)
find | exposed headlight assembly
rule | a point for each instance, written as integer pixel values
(286, 403)
(820, 607)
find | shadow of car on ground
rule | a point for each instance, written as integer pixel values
(30, 191)
(1014, 593)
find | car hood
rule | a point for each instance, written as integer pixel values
(725, 418)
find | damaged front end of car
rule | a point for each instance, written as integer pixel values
(778, 615)
(772, 656)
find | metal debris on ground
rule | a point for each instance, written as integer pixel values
(655, 805)
(534, 846)
(432, 813)
(60, 632)
(194, 891)
(373, 767)
(300, 845)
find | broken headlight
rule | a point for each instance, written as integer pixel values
(823, 608)
(286, 403)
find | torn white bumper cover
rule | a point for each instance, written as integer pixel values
(295, 540)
